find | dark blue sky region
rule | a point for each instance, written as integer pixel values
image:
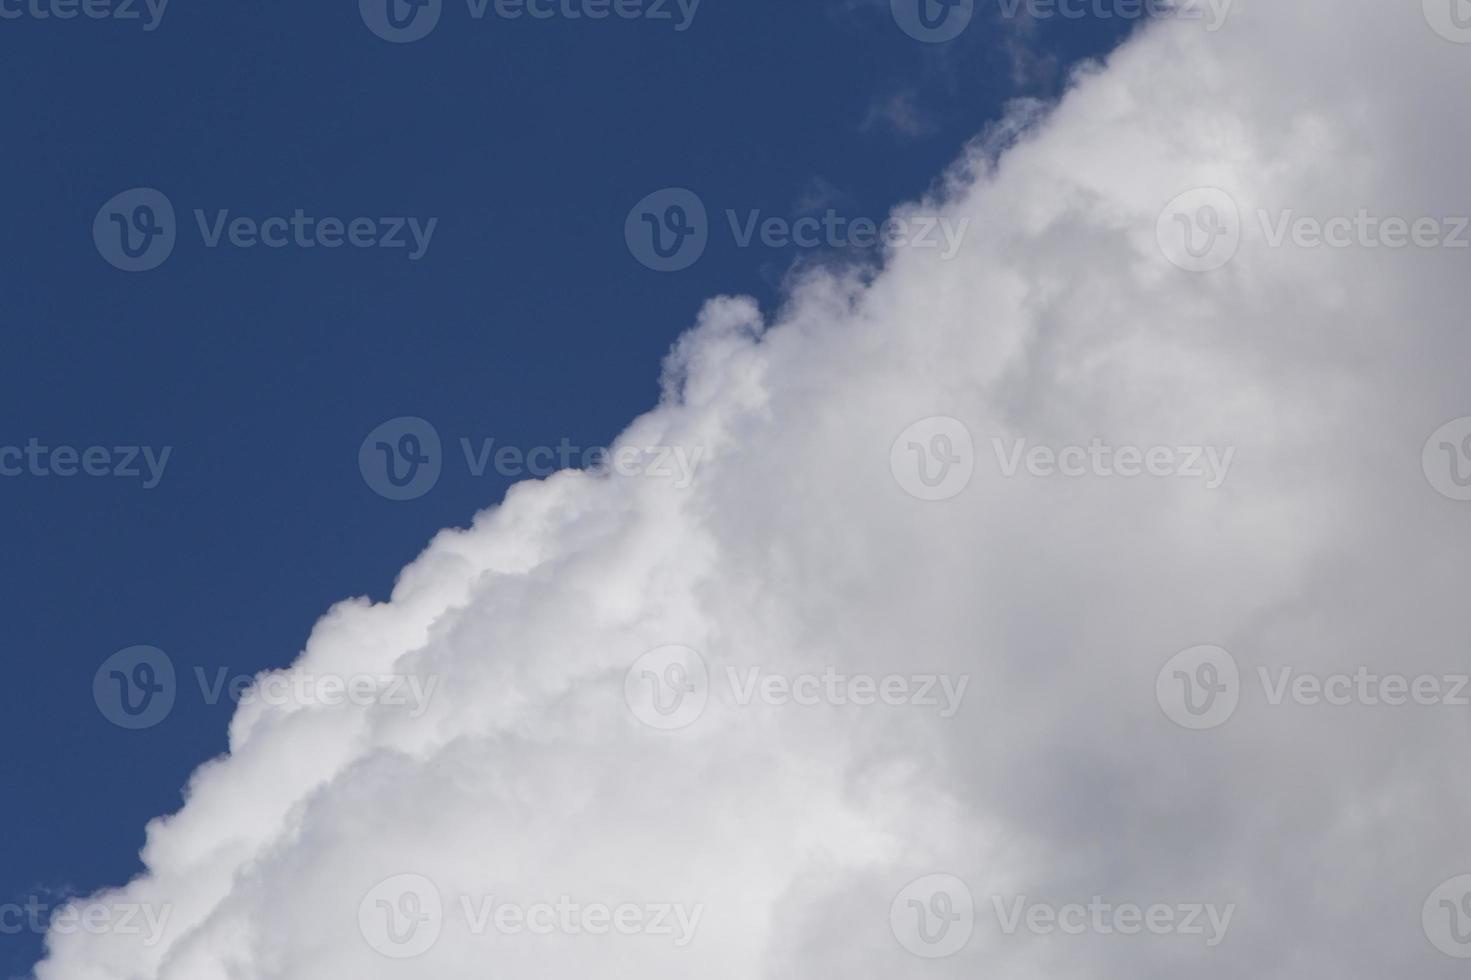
(340, 230)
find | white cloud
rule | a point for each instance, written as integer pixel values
(1061, 778)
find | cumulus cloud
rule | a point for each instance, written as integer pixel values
(537, 778)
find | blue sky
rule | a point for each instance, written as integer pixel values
(526, 319)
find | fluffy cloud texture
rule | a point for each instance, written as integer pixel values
(795, 829)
